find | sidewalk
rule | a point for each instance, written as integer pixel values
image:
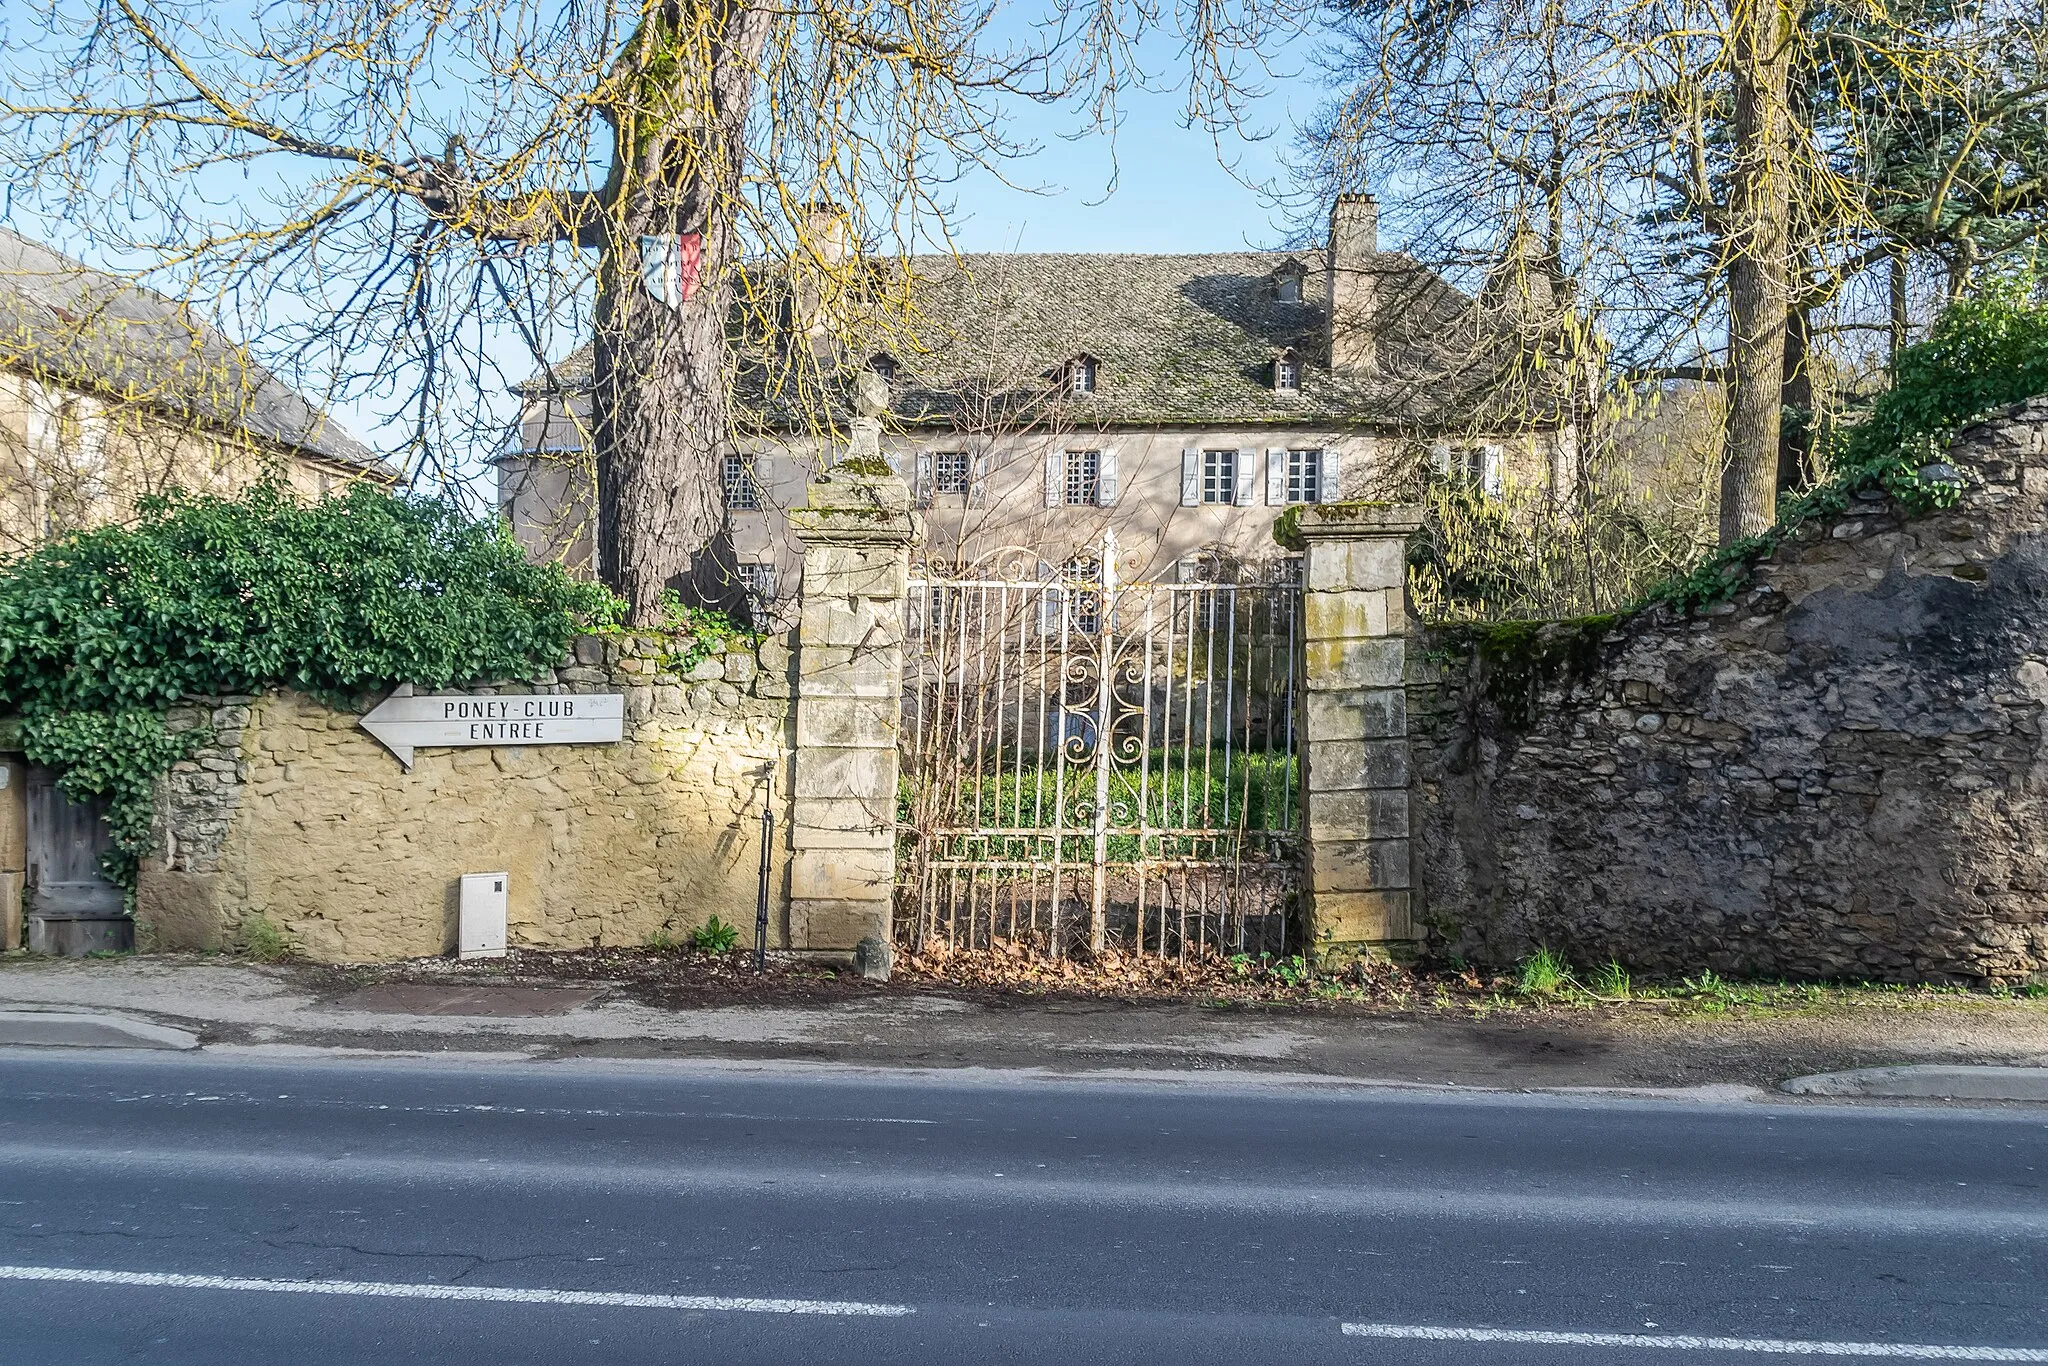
(233, 1007)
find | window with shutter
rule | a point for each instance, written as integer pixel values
(1305, 476)
(1082, 486)
(950, 472)
(1219, 477)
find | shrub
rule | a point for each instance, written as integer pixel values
(101, 632)
(714, 936)
(1544, 973)
(264, 941)
(1610, 980)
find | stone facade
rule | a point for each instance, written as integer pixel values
(292, 812)
(1839, 773)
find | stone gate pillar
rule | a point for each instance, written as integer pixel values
(1354, 731)
(857, 530)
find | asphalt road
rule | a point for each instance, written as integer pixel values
(186, 1209)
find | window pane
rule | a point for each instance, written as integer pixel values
(1219, 476)
(1087, 607)
(741, 492)
(949, 472)
(1084, 477)
(1305, 476)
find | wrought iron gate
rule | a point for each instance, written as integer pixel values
(1091, 761)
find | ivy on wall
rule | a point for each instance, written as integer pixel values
(102, 632)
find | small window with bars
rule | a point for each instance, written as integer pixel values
(1305, 476)
(1083, 478)
(757, 581)
(742, 493)
(952, 472)
(1219, 476)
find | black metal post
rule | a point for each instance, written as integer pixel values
(761, 899)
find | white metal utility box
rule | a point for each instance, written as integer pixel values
(480, 925)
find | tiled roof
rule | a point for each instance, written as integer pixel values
(1179, 340)
(62, 320)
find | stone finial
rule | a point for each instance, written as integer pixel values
(870, 394)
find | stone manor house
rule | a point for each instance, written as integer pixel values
(1179, 401)
(109, 392)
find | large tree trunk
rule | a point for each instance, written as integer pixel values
(661, 420)
(661, 401)
(1757, 245)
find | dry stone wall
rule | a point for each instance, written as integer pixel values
(291, 811)
(1840, 773)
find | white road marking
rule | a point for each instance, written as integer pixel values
(1896, 1351)
(603, 1299)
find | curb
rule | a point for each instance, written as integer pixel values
(53, 1029)
(1927, 1081)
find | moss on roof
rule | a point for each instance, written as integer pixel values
(1179, 340)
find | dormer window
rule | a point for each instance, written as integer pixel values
(1287, 372)
(1081, 375)
(884, 365)
(1287, 281)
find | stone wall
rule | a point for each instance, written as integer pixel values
(293, 812)
(1839, 773)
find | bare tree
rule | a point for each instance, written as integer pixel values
(411, 174)
(1671, 156)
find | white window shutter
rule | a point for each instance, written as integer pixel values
(921, 487)
(1247, 477)
(977, 480)
(1105, 478)
(1190, 478)
(1055, 478)
(1332, 490)
(1490, 470)
(1048, 600)
(1276, 476)
(894, 460)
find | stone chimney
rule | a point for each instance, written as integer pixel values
(1353, 282)
(824, 244)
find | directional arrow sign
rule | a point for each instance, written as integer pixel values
(404, 722)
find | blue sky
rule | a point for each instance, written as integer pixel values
(1172, 191)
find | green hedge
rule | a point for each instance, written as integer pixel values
(101, 632)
